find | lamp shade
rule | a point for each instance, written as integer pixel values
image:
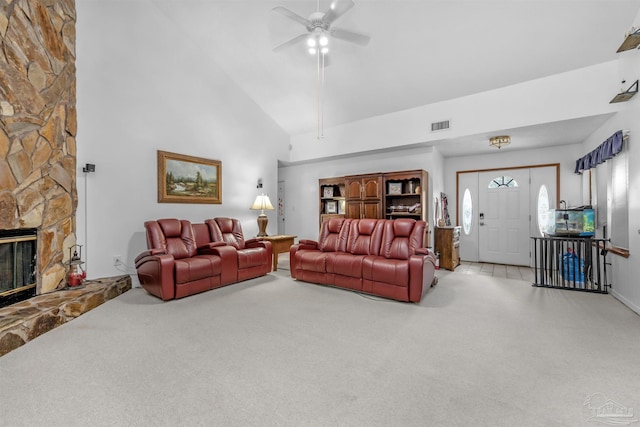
(262, 202)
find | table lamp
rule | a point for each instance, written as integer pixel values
(262, 202)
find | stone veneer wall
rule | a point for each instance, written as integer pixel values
(38, 128)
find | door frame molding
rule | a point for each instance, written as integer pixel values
(546, 165)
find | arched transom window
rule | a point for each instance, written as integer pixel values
(503, 181)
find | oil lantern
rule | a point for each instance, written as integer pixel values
(75, 273)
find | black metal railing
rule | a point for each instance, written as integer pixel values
(574, 263)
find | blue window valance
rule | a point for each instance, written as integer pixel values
(602, 153)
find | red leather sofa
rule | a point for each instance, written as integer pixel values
(375, 256)
(184, 259)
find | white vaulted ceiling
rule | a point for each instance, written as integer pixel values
(421, 51)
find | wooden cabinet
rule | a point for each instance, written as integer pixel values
(447, 242)
(332, 198)
(388, 195)
(364, 196)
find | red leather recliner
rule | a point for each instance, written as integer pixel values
(172, 267)
(376, 256)
(250, 258)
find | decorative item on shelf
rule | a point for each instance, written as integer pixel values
(631, 41)
(331, 207)
(395, 188)
(262, 202)
(410, 186)
(75, 273)
(417, 189)
(625, 95)
(499, 141)
(327, 192)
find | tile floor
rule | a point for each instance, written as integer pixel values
(497, 270)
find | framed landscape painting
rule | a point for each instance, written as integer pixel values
(188, 179)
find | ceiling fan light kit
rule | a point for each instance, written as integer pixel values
(319, 29)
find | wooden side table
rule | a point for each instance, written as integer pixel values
(279, 244)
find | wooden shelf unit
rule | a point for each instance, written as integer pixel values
(447, 242)
(390, 195)
(331, 198)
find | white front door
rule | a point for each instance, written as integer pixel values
(503, 217)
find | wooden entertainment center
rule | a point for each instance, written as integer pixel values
(390, 195)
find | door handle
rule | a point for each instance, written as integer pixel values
(481, 218)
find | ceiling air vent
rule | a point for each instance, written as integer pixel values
(438, 126)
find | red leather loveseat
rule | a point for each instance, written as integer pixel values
(375, 256)
(184, 259)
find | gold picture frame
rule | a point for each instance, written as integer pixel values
(188, 179)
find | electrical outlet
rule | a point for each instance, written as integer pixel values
(117, 260)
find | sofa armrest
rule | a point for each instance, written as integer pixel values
(307, 242)
(150, 252)
(208, 248)
(257, 243)
(228, 255)
(421, 275)
(156, 274)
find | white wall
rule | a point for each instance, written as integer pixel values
(565, 96)
(143, 87)
(301, 181)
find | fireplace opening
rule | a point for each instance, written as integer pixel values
(18, 273)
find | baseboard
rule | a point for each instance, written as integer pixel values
(625, 301)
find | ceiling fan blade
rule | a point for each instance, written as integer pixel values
(350, 36)
(337, 9)
(292, 15)
(291, 42)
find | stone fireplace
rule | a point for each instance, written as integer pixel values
(38, 129)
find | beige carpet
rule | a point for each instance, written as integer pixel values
(478, 351)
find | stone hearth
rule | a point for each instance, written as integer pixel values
(24, 321)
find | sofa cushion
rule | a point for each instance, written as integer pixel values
(173, 235)
(333, 235)
(197, 267)
(251, 257)
(401, 238)
(365, 236)
(345, 264)
(227, 230)
(383, 270)
(311, 261)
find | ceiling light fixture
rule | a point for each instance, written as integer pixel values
(499, 141)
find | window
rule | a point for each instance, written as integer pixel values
(502, 181)
(610, 198)
(467, 212)
(544, 220)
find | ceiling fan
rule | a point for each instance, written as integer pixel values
(319, 27)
